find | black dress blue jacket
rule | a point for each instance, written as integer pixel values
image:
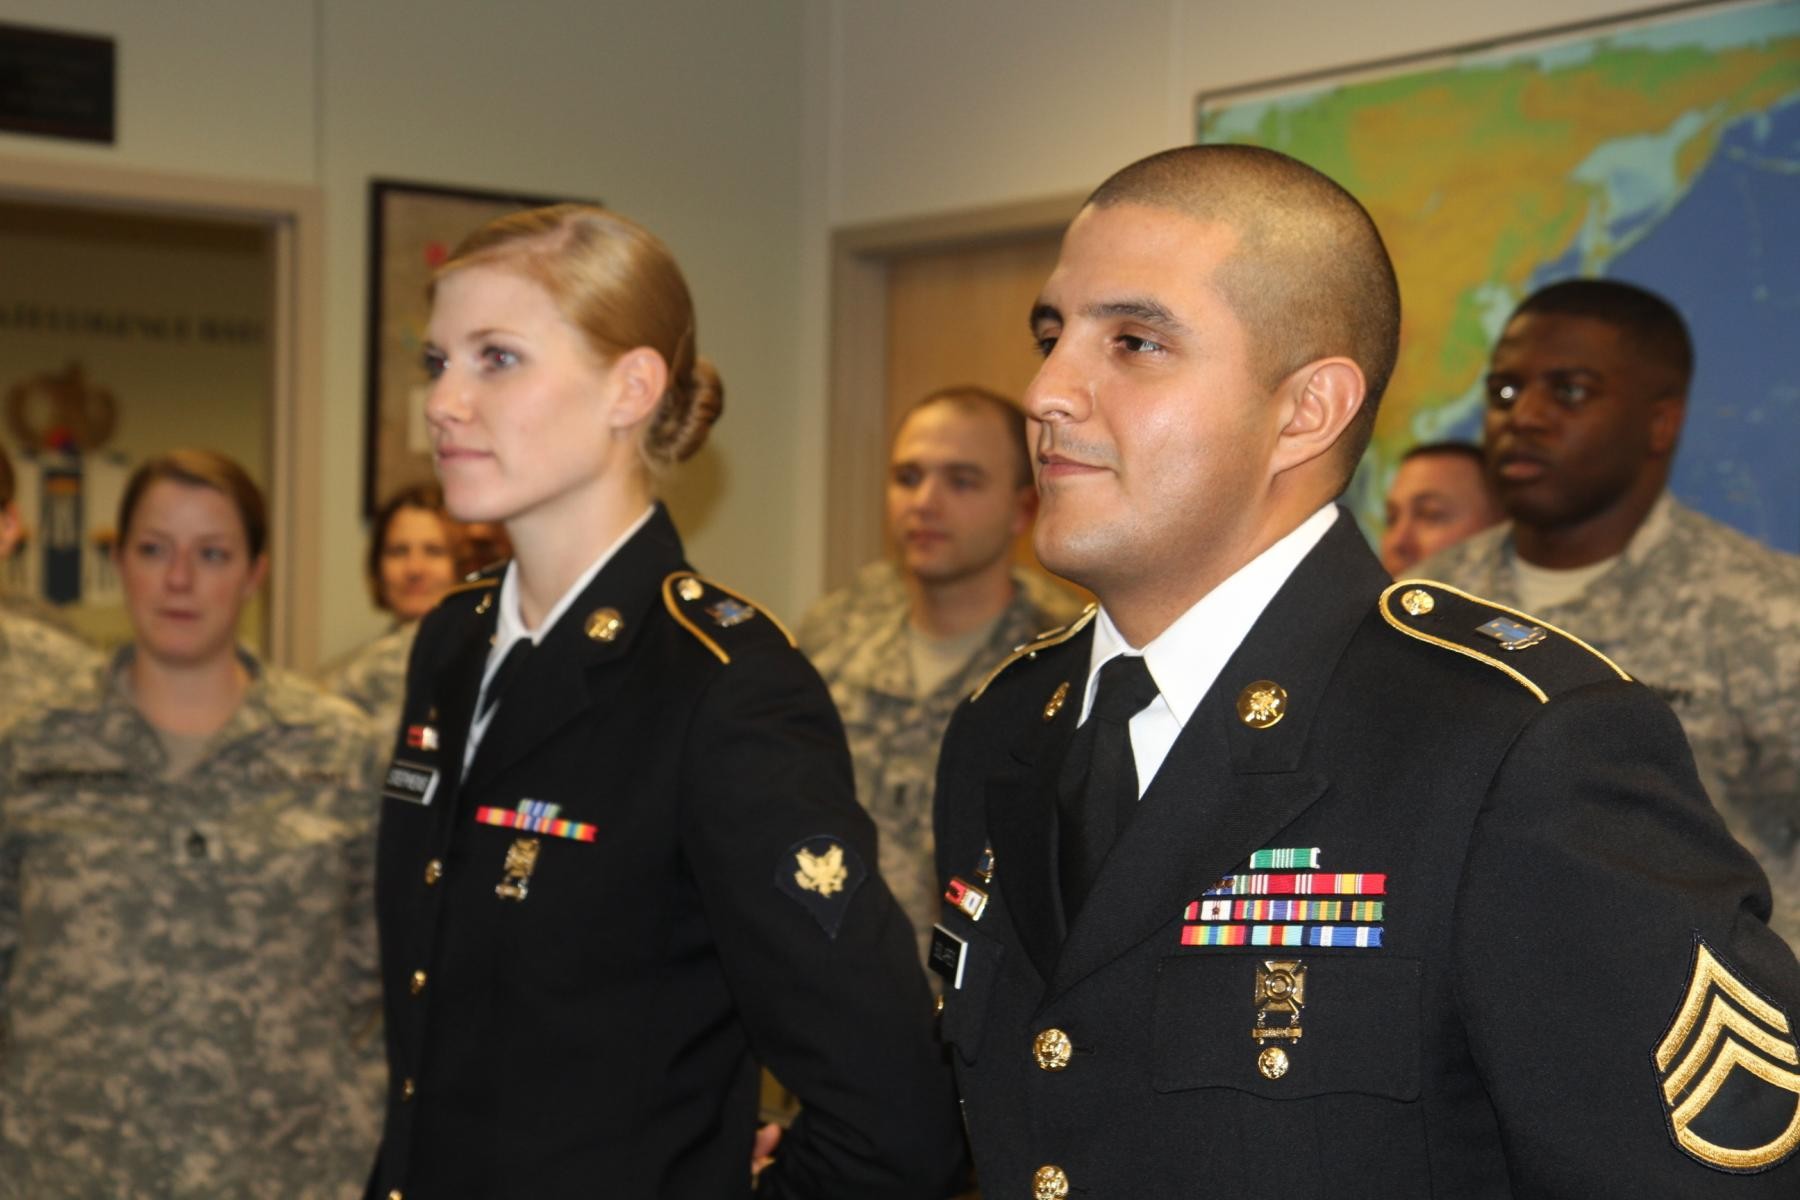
(1569, 989)
(653, 877)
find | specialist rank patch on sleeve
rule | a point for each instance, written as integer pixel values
(1726, 1067)
(821, 874)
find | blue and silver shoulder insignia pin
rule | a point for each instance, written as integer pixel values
(728, 612)
(1511, 634)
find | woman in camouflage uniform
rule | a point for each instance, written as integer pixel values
(412, 563)
(186, 958)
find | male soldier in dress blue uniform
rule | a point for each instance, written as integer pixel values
(1271, 877)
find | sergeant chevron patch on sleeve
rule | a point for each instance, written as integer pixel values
(1726, 1070)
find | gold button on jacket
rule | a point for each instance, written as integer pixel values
(1052, 1049)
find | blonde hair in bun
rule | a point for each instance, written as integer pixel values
(618, 284)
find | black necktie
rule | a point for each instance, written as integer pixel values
(1098, 792)
(508, 671)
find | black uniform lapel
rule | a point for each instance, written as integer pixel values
(1023, 833)
(1021, 825)
(455, 688)
(1226, 788)
(1198, 819)
(573, 669)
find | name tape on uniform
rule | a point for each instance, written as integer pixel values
(412, 782)
(948, 955)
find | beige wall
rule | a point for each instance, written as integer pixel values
(935, 106)
(683, 113)
(939, 105)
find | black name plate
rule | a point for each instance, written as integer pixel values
(57, 84)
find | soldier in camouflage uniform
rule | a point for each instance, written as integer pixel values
(373, 677)
(1707, 617)
(188, 975)
(412, 562)
(959, 493)
(189, 988)
(38, 660)
(38, 664)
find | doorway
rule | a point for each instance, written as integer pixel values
(123, 335)
(141, 311)
(916, 306)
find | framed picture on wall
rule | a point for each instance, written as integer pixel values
(412, 229)
(1654, 148)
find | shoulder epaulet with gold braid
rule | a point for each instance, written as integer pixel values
(1044, 640)
(481, 581)
(699, 604)
(1535, 654)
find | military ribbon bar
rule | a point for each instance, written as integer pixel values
(1306, 858)
(1344, 935)
(1243, 935)
(1323, 884)
(1363, 936)
(534, 816)
(1284, 910)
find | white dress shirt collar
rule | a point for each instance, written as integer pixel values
(1185, 659)
(509, 624)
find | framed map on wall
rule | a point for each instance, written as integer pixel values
(1662, 149)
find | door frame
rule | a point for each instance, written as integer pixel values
(293, 217)
(856, 433)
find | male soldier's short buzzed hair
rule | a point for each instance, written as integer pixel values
(1651, 324)
(1310, 277)
(970, 398)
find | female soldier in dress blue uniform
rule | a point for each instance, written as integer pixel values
(620, 860)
